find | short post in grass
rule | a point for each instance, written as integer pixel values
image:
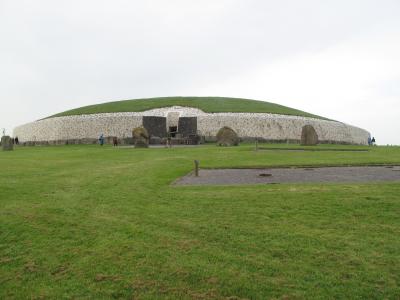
(256, 144)
(196, 168)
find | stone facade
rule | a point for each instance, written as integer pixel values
(187, 126)
(155, 125)
(264, 126)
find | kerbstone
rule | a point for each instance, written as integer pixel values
(227, 137)
(7, 143)
(140, 137)
(309, 136)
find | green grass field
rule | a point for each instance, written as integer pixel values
(86, 222)
(207, 104)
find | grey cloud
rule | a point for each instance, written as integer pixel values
(57, 55)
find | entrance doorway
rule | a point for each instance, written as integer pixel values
(173, 130)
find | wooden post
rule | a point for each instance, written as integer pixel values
(196, 168)
(256, 144)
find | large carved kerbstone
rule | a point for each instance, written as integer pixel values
(140, 137)
(7, 143)
(309, 136)
(227, 137)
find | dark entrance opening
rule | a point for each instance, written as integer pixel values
(173, 130)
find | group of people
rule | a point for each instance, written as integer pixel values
(371, 141)
(168, 143)
(101, 140)
(15, 141)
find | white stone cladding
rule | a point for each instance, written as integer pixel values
(247, 125)
(280, 127)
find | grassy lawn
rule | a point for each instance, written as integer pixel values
(89, 222)
(207, 104)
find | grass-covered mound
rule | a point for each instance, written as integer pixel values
(207, 104)
(91, 222)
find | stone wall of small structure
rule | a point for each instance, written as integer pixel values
(265, 126)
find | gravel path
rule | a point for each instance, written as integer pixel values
(292, 175)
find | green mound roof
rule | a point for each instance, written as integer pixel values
(206, 104)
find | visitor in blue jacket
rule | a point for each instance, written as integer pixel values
(101, 139)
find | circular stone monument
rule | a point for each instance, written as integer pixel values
(187, 117)
(309, 136)
(226, 136)
(140, 137)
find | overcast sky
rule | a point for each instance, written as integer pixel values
(338, 59)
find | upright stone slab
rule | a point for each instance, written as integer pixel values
(140, 137)
(187, 126)
(226, 136)
(155, 126)
(309, 136)
(7, 143)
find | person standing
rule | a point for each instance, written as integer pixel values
(101, 139)
(169, 140)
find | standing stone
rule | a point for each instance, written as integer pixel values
(7, 143)
(309, 136)
(227, 137)
(140, 137)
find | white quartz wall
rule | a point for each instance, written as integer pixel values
(260, 125)
(78, 127)
(280, 127)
